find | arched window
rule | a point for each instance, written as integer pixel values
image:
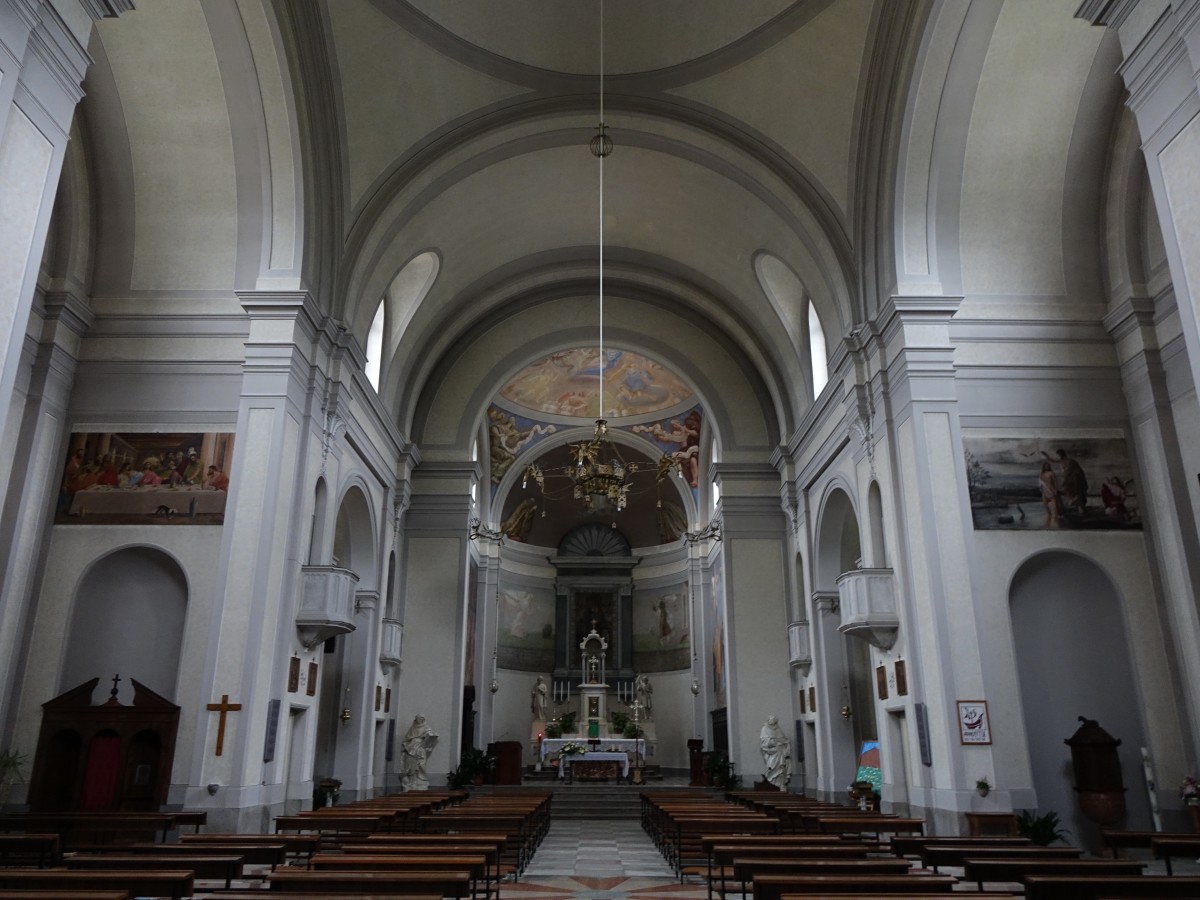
(816, 351)
(375, 348)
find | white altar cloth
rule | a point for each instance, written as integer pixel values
(565, 762)
(551, 746)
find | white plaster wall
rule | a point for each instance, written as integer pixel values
(1123, 557)
(73, 548)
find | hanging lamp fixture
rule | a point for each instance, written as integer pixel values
(599, 474)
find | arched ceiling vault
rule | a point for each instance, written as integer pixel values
(869, 146)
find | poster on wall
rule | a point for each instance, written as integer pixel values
(1038, 483)
(973, 725)
(525, 634)
(145, 478)
(661, 642)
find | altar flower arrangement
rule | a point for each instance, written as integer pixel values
(572, 748)
(1189, 790)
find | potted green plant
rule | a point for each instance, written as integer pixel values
(983, 786)
(12, 770)
(720, 772)
(554, 729)
(568, 723)
(619, 721)
(1041, 830)
(474, 766)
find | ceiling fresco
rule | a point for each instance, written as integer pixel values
(567, 384)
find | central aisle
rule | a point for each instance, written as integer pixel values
(598, 858)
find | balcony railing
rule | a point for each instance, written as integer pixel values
(799, 645)
(389, 648)
(867, 598)
(326, 603)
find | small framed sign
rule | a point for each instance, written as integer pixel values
(812, 699)
(973, 726)
(881, 685)
(293, 674)
(901, 678)
(803, 704)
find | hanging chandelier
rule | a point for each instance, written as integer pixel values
(599, 475)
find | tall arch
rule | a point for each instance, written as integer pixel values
(1069, 632)
(127, 618)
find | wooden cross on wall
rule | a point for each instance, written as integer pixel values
(223, 707)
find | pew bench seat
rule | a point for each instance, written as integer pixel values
(173, 883)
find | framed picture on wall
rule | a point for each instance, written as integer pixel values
(973, 727)
(803, 703)
(812, 699)
(881, 685)
(901, 678)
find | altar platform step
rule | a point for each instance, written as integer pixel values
(597, 801)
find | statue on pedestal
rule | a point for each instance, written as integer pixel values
(537, 699)
(776, 752)
(418, 743)
(644, 691)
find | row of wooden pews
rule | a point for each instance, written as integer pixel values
(819, 849)
(455, 846)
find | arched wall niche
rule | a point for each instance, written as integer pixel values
(1070, 630)
(838, 545)
(127, 618)
(354, 541)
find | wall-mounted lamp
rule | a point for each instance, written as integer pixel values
(846, 713)
(695, 686)
(494, 684)
(344, 715)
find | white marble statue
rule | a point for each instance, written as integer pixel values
(776, 749)
(418, 743)
(537, 699)
(645, 696)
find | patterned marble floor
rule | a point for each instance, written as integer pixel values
(599, 859)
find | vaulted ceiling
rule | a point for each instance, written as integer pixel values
(768, 153)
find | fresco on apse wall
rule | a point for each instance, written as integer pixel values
(145, 478)
(509, 436)
(567, 384)
(1034, 484)
(661, 642)
(717, 611)
(679, 438)
(525, 639)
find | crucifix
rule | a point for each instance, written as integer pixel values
(115, 680)
(223, 707)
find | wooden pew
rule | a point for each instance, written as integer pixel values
(39, 850)
(493, 846)
(935, 855)
(174, 883)
(203, 866)
(684, 844)
(63, 895)
(475, 863)
(748, 871)
(722, 849)
(876, 824)
(300, 845)
(996, 895)
(911, 844)
(292, 895)
(252, 854)
(1094, 887)
(444, 884)
(327, 825)
(772, 887)
(1164, 846)
(87, 830)
(1018, 869)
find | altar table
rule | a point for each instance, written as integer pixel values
(565, 762)
(552, 746)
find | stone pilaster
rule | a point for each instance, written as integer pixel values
(43, 389)
(254, 616)
(754, 538)
(435, 577)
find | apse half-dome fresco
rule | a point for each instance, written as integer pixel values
(560, 393)
(566, 384)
